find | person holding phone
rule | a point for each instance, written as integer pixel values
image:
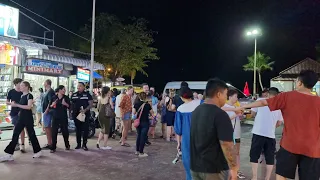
(59, 106)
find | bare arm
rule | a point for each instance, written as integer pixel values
(255, 104)
(90, 105)
(228, 151)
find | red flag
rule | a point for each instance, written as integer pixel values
(246, 89)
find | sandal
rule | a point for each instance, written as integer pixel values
(125, 145)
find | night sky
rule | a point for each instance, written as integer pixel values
(198, 39)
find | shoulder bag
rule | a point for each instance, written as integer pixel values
(136, 122)
(109, 111)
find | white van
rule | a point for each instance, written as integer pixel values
(200, 86)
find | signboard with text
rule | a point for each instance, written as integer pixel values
(39, 66)
(83, 75)
(9, 21)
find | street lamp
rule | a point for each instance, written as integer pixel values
(254, 33)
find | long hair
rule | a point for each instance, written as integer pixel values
(104, 91)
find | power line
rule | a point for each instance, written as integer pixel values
(49, 21)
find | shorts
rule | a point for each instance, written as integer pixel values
(127, 116)
(287, 162)
(265, 145)
(14, 120)
(223, 175)
(46, 119)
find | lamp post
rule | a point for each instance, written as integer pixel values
(254, 33)
(92, 45)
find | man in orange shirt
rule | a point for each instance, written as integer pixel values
(125, 110)
(300, 143)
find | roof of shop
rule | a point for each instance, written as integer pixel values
(306, 64)
(69, 60)
(279, 78)
(23, 43)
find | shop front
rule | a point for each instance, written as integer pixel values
(10, 58)
(37, 71)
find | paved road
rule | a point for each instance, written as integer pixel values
(120, 163)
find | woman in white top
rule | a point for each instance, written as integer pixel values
(235, 119)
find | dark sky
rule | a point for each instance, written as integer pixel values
(198, 39)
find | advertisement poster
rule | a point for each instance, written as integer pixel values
(83, 75)
(34, 65)
(9, 21)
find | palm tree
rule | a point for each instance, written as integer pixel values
(263, 63)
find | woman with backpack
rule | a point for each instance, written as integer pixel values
(106, 113)
(170, 115)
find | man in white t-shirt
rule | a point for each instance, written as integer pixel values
(118, 127)
(263, 139)
(235, 120)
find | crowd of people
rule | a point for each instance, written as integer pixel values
(205, 127)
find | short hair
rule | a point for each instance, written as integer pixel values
(308, 78)
(82, 84)
(214, 86)
(144, 84)
(232, 92)
(185, 92)
(130, 87)
(184, 84)
(273, 91)
(49, 82)
(17, 81)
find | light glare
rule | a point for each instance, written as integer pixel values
(249, 33)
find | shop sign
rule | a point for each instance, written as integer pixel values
(9, 21)
(8, 54)
(83, 74)
(38, 66)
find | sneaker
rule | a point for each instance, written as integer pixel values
(136, 153)
(47, 146)
(240, 175)
(143, 155)
(148, 143)
(7, 157)
(106, 148)
(22, 148)
(52, 151)
(37, 155)
(78, 147)
(17, 148)
(84, 147)
(98, 146)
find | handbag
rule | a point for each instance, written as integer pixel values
(81, 117)
(136, 122)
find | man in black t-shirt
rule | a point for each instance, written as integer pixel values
(14, 95)
(211, 139)
(47, 117)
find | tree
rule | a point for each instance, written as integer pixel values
(125, 48)
(263, 63)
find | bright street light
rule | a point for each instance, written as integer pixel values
(254, 33)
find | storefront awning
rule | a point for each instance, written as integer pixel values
(96, 75)
(23, 43)
(69, 60)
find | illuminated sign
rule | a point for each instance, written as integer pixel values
(83, 74)
(34, 65)
(8, 54)
(9, 21)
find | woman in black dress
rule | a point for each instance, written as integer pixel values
(59, 109)
(25, 121)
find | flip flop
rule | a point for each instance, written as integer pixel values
(125, 145)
